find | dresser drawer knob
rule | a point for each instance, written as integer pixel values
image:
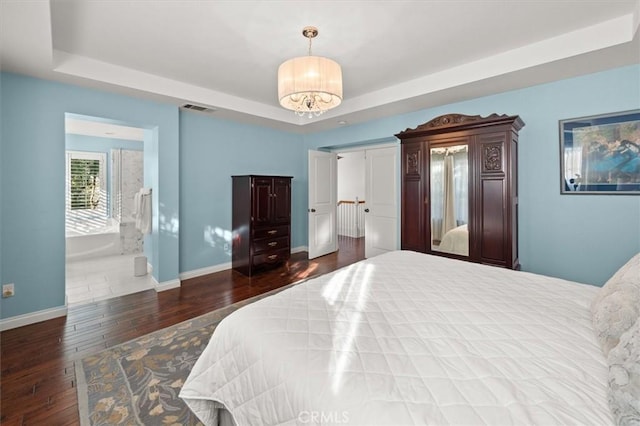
(273, 231)
(273, 244)
(273, 256)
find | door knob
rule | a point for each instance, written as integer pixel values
(312, 210)
(366, 210)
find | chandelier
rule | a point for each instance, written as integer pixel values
(309, 85)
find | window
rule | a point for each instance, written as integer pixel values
(85, 184)
(86, 194)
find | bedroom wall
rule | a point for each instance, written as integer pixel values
(211, 151)
(2, 167)
(32, 192)
(583, 238)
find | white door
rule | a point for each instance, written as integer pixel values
(323, 187)
(381, 201)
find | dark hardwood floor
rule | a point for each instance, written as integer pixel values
(37, 378)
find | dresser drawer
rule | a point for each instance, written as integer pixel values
(271, 257)
(270, 243)
(271, 232)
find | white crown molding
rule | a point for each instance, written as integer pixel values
(84, 67)
(605, 34)
(590, 39)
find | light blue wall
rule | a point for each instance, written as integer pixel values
(583, 238)
(211, 151)
(33, 149)
(2, 167)
(189, 159)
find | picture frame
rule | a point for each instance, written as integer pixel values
(600, 154)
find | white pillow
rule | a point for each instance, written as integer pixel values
(616, 313)
(616, 307)
(624, 378)
(629, 271)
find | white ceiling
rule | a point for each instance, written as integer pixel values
(396, 56)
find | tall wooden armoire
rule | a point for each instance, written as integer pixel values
(476, 199)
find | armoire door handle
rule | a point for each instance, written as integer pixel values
(366, 210)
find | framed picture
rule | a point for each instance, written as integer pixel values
(601, 154)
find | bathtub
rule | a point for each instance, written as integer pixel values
(101, 242)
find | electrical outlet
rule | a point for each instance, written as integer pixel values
(8, 290)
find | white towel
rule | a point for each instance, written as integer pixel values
(136, 206)
(142, 202)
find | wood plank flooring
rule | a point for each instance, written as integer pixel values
(37, 377)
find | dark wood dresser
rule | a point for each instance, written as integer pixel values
(261, 222)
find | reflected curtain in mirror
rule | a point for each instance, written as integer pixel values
(449, 194)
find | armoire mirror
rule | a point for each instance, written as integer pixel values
(449, 193)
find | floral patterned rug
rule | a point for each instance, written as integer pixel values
(138, 382)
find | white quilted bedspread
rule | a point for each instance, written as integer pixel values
(408, 339)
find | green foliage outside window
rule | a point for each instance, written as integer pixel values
(85, 184)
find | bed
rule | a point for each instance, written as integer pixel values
(456, 241)
(409, 339)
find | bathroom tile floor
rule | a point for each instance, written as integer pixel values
(90, 280)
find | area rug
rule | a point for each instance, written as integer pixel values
(138, 382)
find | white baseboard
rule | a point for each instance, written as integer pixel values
(32, 317)
(166, 285)
(223, 266)
(205, 271)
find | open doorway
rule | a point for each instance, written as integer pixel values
(368, 197)
(350, 218)
(104, 168)
(377, 229)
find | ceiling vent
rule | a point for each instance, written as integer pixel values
(199, 108)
